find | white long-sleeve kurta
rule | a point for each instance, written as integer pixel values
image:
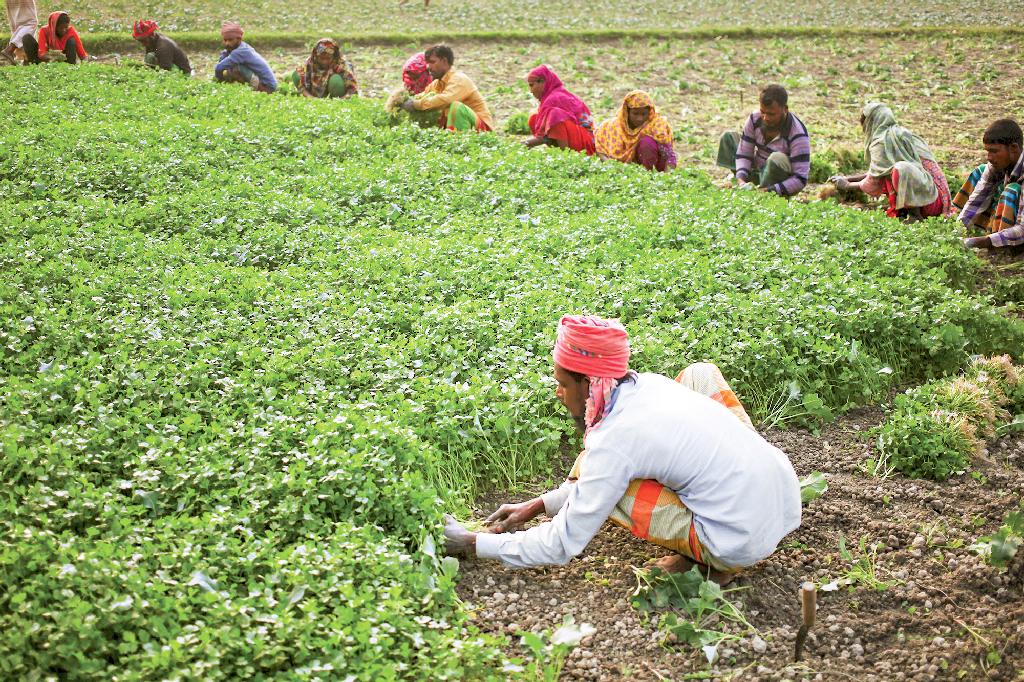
(743, 492)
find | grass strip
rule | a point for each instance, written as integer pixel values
(122, 42)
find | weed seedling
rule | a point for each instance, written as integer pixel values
(863, 569)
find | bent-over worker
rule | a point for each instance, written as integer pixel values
(676, 462)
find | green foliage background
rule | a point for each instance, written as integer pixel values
(252, 344)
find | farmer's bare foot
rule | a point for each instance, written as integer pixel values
(677, 563)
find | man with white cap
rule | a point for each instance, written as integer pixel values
(676, 462)
(239, 63)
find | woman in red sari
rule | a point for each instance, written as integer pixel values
(562, 119)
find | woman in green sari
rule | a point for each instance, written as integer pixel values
(901, 166)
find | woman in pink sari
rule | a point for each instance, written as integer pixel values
(562, 119)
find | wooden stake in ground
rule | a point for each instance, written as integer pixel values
(809, 602)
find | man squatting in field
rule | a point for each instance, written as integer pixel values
(239, 63)
(773, 152)
(161, 51)
(465, 108)
(676, 462)
(990, 199)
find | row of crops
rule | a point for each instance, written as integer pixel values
(254, 346)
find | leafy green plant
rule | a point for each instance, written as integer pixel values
(549, 650)
(690, 606)
(1000, 549)
(813, 486)
(862, 569)
(518, 124)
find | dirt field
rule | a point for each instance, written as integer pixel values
(387, 16)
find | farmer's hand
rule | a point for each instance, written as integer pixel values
(409, 105)
(457, 540)
(842, 183)
(510, 516)
(978, 242)
(835, 178)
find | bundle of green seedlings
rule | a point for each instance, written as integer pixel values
(395, 115)
(936, 429)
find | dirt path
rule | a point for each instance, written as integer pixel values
(942, 617)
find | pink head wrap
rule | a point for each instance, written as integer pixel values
(592, 345)
(557, 104)
(231, 29)
(599, 348)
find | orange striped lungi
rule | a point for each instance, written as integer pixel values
(655, 513)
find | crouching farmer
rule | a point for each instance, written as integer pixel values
(161, 51)
(239, 63)
(676, 462)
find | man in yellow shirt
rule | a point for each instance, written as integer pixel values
(463, 108)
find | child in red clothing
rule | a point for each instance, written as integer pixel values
(59, 36)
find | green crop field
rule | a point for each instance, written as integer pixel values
(254, 346)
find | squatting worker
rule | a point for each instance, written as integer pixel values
(676, 462)
(452, 91)
(161, 51)
(990, 198)
(774, 150)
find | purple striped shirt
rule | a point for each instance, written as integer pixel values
(985, 194)
(793, 141)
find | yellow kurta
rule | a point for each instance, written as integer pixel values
(456, 86)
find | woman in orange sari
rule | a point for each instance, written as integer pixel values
(638, 134)
(562, 119)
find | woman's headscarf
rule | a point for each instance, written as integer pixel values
(52, 41)
(616, 139)
(143, 28)
(416, 74)
(556, 105)
(314, 79)
(887, 142)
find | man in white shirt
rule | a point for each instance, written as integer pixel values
(676, 462)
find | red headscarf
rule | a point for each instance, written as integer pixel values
(599, 348)
(416, 74)
(50, 32)
(143, 28)
(557, 104)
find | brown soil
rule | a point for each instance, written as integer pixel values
(941, 617)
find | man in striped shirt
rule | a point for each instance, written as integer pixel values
(990, 199)
(774, 150)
